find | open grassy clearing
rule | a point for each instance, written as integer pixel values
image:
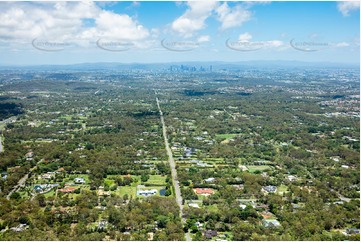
(226, 136)
(253, 169)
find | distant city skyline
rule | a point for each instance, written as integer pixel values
(36, 33)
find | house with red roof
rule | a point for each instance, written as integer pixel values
(67, 189)
(204, 191)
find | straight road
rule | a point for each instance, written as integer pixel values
(173, 169)
(2, 127)
(21, 182)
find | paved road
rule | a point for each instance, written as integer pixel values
(2, 127)
(21, 182)
(233, 116)
(341, 197)
(173, 169)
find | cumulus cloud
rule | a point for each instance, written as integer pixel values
(342, 44)
(117, 26)
(194, 18)
(203, 38)
(245, 43)
(346, 7)
(245, 37)
(65, 21)
(274, 43)
(232, 17)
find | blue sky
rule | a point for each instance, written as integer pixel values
(77, 32)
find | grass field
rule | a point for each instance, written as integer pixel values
(109, 182)
(156, 180)
(226, 136)
(130, 190)
(252, 169)
(49, 194)
(282, 189)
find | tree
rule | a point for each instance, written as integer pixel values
(15, 195)
(41, 200)
(144, 177)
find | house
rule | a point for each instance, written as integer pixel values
(352, 231)
(44, 188)
(297, 205)
(4, 175)
(193, 205)
(150, 236)
(335, 158)
(211, 179)
(269, 189)
(243, 168)
(38, 188)
(102, 225)
(269, 223)
(67, 189)
(188, 152)
(48, 175)
(147, 192)
(198, 224)
(101, 193)
(29, 154)
(204, 191)
(266, 215)
(20, 228)
(291, 178)
(238, 186)
(209, 234)
(243, 206)
(79, 180)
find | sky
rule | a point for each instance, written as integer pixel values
(34, 33)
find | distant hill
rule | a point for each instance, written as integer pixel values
(165, 66)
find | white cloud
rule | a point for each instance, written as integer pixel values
(117, 26)
(198, 12)
(346, 7)
(232, 17)
(65, 21)
(245, 37)
(194, 18)
(203, 38)
(274, 43)
(136, 4)
(342, 44)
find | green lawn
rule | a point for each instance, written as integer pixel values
(226, 136)
(130, 190)
(282, 189)
(49, 194)
(156, 180)
(109, 182)
(260, 168)
(212, 208)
